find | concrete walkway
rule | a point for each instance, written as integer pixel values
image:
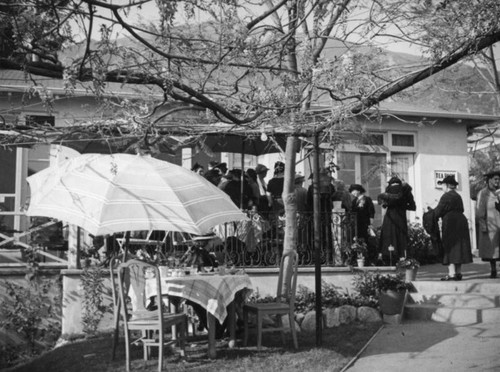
(432, 346)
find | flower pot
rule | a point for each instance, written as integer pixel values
(361, 262)
(411, 274)
(391, 302)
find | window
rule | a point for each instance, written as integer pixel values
(402, 142)
(373, 139)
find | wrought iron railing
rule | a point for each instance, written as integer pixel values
(254, 243)
(259, 243)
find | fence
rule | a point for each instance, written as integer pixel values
(257, 242)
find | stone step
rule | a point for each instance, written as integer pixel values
(466, 300)
(464, 286)
(453, 315)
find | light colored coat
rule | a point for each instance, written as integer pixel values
(488, 221)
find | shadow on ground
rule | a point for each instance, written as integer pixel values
(339, 346)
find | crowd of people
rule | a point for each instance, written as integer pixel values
(452, 236)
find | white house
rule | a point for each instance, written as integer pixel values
(421, 146)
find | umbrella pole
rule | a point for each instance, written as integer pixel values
(127, 242)
(242, 173)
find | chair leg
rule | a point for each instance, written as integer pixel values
(279, 320)
(117, 330)
(291, 318)
(160, 350)
(259, 329)
(245, 321)
(145, 348)
(183, 331)
(127, 350)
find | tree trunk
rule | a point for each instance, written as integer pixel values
(289, 201)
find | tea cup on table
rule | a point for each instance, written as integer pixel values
(222, 269)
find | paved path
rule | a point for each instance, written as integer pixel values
(433, 346)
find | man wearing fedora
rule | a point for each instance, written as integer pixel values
(454, 229)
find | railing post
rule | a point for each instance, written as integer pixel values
(73, 247)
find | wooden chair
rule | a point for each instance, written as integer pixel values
(284, 304)
(134, 277)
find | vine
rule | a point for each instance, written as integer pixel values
(93, 290)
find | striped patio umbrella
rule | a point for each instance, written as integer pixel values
(105, 194)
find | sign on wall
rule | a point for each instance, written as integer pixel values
(439, 175)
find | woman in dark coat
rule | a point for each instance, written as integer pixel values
(455, 229)
(363, 206)
(397, 199)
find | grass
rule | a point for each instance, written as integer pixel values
(339, 346)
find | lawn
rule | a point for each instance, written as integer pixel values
(339, 346)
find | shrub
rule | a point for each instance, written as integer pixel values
(407, 263)
(93, 289)
(420, 245)
(30, 313)
(369, 284)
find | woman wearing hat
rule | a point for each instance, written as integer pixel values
(275, 186)
(397, 199)
(362, 205)
(454, 229)
(488, 221)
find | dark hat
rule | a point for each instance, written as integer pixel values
(394, 179)
(213, 163)
(358, 187)
(448, 180)
(492, 174)
(279, 165)
(261, 168)
(236, 172)
(196, 166)
(222, 167)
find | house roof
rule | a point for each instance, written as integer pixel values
(405, 109)
(391, 108)
(18, 81)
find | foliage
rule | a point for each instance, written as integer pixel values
(30, 312)
(255, 66)
(357, 250)
(369, 284)
(407, 263)
(331, 296)
(420, 245)
(359, 247)
(93, 291)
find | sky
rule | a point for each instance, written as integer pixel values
(149, 13)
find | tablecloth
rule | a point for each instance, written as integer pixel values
(213, 292)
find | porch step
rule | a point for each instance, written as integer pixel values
(465, 302)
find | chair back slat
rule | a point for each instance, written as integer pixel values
(113, 266)
(287, 281)
(136, 272)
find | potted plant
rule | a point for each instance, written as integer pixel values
(389, 289)
(392, 293)
(358, 250)
(409, 266)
